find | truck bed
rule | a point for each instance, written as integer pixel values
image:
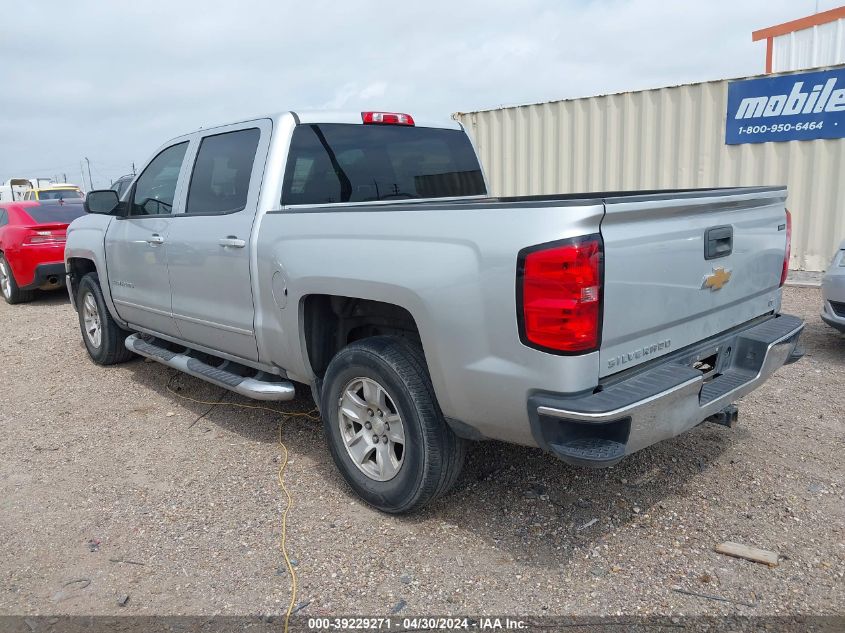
(654, 261)
(486, 202)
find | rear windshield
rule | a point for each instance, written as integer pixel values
(54, 212)
(359, 163)
(55, 194)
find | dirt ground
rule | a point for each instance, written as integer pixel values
(111, 486)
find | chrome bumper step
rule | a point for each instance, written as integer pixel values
(229, 375)
(598, 429)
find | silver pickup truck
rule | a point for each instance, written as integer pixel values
(360, 254)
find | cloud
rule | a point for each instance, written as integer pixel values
(350, 92)
(112, 81)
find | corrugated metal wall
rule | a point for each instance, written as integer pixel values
(820, 45)
(664, 138)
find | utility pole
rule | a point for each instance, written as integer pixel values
(133, 168)
(90, 182)
(82, 171)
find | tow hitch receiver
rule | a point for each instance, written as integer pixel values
(726, 417)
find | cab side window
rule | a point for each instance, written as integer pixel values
(4, 219)
(220, 181)
(156, 188)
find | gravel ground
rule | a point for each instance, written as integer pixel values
(103, 465)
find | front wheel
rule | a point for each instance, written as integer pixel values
(103, 337)
(385, 429)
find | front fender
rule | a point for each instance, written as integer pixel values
(86, 241)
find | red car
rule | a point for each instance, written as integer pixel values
(32, 246)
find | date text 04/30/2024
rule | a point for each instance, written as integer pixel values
(416, 624)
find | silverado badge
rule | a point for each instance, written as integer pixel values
(717, 279)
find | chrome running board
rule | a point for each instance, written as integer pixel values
(241, 379)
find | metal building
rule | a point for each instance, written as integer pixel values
(674, 137)
(816, 40)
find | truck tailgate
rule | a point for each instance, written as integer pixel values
(661, 293)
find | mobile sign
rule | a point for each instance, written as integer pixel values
(798, 107)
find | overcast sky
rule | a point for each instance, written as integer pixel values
(114, 80)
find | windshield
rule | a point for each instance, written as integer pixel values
(56, 194)
(120, 185)
(359, 163)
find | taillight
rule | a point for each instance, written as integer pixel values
(785, 271)
(44, 237)
(387, 118)
(559, 295)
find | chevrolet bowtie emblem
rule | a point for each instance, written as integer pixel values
(717, 279)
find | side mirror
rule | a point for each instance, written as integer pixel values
(103, 201)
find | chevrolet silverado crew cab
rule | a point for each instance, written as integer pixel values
(360, 255)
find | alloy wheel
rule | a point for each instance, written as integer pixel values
(372, 429)
(5, 281)
(91, 319)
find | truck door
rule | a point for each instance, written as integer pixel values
(209, 245)
(136, 249)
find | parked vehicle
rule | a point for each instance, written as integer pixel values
(16, 188)
(122, 184)
(360, 254)
(32, 240)
(60, 191)
(833, 291)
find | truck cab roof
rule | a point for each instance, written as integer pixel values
(348, 117)
(356, 117)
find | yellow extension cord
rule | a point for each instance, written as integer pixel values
(309, 415)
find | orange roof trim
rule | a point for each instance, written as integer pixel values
(802, 23)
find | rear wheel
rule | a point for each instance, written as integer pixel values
(9, 287)
(386, 432)
(103, 337)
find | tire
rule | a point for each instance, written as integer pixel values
(108, 347)
(431, 455)
(9, 287)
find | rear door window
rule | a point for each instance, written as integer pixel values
(222, 172)
(331, 163)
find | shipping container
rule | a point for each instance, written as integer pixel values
(671, 137)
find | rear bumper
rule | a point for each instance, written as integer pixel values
(30, 261)
(833, 293)
(834, 322)
(47, 276)
(665, 399)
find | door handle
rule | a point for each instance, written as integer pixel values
(155, 239)
(232, 242)
(718, 242)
